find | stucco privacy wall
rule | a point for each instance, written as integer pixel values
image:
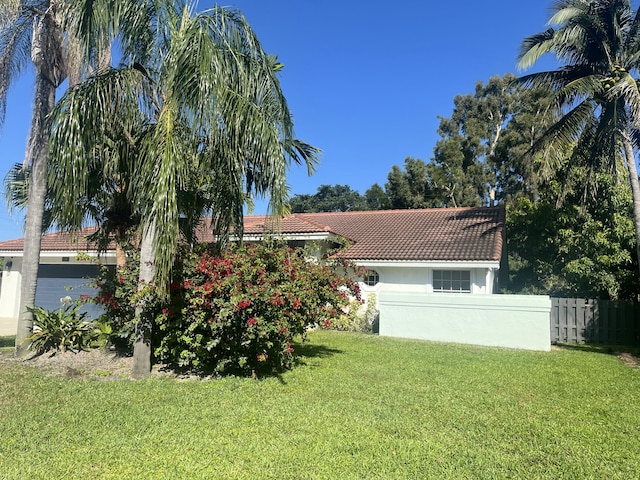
(514, 321)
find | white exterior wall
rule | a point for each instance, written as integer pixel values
(514, 321)
(419, 279)
(10, 288)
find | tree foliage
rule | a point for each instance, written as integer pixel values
(596, 94)
(329, 198)
(582, 246)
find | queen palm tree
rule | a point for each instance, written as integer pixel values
(597, 44)
(211, 123)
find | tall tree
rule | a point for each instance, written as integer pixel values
(213, 119)
(597, 43)
(411, 187)
(377, 198)
(580, 247)
(30, 32)
(62, 39)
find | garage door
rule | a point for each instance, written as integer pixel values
(58, 281)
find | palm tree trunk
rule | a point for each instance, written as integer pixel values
(635, 190)
(142, 343)
(44, 103)
(121, 255)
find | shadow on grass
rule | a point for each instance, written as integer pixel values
(597, 348)
(305, 351)
(9, 341)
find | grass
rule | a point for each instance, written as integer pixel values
(357, 407)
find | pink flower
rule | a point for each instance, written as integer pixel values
(262, 357)
(251, 321)
(296, 303)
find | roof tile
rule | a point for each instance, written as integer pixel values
(437, 234)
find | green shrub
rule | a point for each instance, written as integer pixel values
(118, 293)
(238, 313)
(62, 329)
(234, 313)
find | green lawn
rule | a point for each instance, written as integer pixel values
(358, 407)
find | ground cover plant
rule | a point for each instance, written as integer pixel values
(357, 406)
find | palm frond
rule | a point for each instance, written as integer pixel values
(15, 50)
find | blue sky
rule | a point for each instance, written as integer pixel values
(365, 80)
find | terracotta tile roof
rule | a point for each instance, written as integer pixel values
(445, 234)
(56, 242)
(438, 234)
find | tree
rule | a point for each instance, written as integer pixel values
(329, 198)
(209, 116)
(596, 95)
(31, 33)
(580, 247)
(62, 40)
(411, 187)
(377, 198)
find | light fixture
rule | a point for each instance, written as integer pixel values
(8, 265)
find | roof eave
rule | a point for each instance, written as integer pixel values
(461, 264)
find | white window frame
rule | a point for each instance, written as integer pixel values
(448, 283)
(371, 273)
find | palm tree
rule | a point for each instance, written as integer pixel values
(211, 124)
(61, 39)
(30, 32)
(597, 43)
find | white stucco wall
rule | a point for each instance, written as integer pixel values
(514, 321)
(10, 287)
(419, 279)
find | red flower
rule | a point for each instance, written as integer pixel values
(296, 304)
(120, 280)
(243, 304)
(251, 321)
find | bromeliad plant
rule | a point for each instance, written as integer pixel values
(237, 312)
(62, 329)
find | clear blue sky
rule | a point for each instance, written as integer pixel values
(365, 80)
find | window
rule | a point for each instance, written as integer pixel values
(452, 281)
(371, 279)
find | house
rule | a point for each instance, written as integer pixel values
(66, 264)
(425, 251)
(433, 271)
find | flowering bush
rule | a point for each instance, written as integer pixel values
(358, 318)
(238, 313)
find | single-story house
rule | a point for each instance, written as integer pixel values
(425, 251)
(422, 251)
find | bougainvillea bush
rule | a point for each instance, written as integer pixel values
(239, 312)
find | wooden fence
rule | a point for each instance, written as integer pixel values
(578, 320)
